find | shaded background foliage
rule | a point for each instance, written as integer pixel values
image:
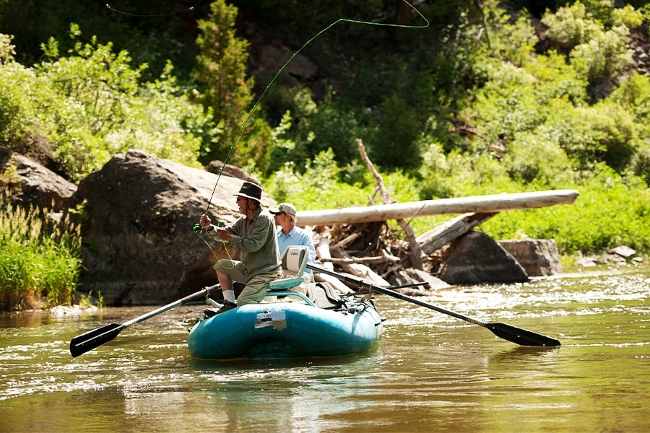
(491, 97)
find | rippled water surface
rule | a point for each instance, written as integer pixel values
(430, 372)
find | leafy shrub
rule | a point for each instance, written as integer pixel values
(395, 142)
(330, 126)
(610, 211)
(96, 108)
(570, 26)
(604, 56)
(532, 161)
(17, 114)
(556, 79)
(506, 105)
(640, 163)
(512, 42)
(40, 258)
(7, 51)
(634, 95)
(435, 174)
(627, 16)
(604, 132)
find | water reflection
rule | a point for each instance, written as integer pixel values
(431, 372)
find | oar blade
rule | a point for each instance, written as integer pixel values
(520, 336)
(92, 339)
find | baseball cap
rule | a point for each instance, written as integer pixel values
(284, 207)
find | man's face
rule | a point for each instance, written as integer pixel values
(242, 203)
(278, 217)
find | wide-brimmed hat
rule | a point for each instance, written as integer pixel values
(250, 190)
(284, 207)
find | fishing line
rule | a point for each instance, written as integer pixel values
(197, 229)
(190, 8)
(252, 110)
(340, 20)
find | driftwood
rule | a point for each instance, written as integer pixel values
(363, 271)
(384, 258)
(323, 252)
(480, 204)
(349, 264)
(334, 282)
(415, 253)
(447, 232)
(362, 231)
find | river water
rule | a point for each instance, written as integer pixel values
(430, 372)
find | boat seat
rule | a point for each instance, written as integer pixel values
(294, 260)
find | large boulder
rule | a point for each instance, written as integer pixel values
(138, 244)
(31, 184)
(476, 258)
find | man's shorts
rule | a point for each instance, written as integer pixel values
(256, 287)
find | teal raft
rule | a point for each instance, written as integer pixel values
(287, 330)
(320, 322)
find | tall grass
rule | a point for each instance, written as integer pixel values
(40, 259)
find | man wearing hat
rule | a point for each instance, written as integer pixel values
(254, 235)
(289, 234)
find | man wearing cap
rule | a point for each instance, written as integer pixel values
(254, 235)
(289, 234)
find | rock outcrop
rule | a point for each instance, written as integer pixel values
(30, 184)
(539, 257)
(476, 258)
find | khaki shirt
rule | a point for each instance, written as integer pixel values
(256, 240)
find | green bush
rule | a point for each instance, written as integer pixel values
(605, 56)
(530, 160)
(570, 26)
(610, 211)
(91, 105)
(40, 259)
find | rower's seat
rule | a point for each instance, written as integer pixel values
(294, 261)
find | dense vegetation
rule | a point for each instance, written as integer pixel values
(39, 257)
(489, 97)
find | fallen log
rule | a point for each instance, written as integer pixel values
(362, 260)
(476, 204)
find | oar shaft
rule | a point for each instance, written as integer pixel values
(502, 330)
(204, 291)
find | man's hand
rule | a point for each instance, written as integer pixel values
(205, 222)
(224, 234)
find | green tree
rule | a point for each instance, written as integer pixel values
(221, 69)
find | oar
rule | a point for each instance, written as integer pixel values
(502, 330)
(91, 339)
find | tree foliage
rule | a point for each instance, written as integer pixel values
(91, 105)
(487, 99)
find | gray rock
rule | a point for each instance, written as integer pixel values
(539, 257)
(32, 184)
(623, 251)
(476, 258)
(217, 167)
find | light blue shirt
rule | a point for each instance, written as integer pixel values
(296, 236)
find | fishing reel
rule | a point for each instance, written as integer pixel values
(196, 228)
